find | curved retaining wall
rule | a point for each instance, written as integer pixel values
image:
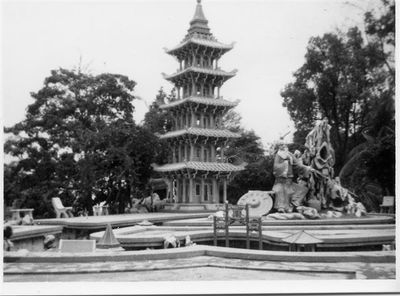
(194, 251)
(154, 236)
(370, 219)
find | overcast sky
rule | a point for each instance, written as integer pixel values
(128, 37)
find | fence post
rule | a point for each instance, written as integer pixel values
(215, 231)
(260, 233)
(227, 225)
(247, 227)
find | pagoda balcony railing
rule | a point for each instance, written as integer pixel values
(203, 96)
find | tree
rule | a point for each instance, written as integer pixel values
(158, 121)
(232, 121)
(350, 80)
(79, 141)
(247, 149)
(333, 83)
(370, 169)
(380, 30)
(256, 176)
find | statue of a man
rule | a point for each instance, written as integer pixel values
(284, 187)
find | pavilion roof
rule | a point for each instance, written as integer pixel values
(217, 133)
(216, 72)
(207, 42)
(201, 100)
(302, 238)
(201, 166)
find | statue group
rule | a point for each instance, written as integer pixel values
(315, 189)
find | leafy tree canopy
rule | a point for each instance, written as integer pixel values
(349, 80)
(247, 148)
(79, 141)
(159, 121)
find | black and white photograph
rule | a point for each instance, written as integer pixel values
(198, 146)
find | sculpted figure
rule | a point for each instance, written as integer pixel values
(170, 241)
(7, 232)
(189, 242)
(284, 187)
(321, 158)
(316, 189)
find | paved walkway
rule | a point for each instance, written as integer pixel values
(192, 274)
(197, 268)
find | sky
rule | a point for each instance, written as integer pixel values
(129, 37)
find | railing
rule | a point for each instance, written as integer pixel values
(237, 215)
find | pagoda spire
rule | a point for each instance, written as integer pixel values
(199, 23)
(199, 14)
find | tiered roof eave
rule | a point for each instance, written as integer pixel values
(199, 166)
(199, 70)
(194, 131)
(207, 101)
(211, 43)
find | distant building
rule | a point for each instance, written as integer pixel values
(199, 170)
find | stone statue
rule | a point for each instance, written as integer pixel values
(284, 188)
(189, 242)
(151, 203)
(321, 157)
(7, 234)
(170, 241)
(316, 189)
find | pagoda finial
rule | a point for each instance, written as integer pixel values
(199, 23)
(199, 14)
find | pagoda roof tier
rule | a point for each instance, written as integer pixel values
(214, 133)
(186, 75)
(202, 101)
(194, 41)
(199, 166)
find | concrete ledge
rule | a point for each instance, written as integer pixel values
(153, 236)
(375, 257)
(192, 207)
(100, 222)
(371, 219)
(31, 237)
(37, 257)
(369, 257)
(30, 231)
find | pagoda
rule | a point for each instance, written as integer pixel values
(198, 171)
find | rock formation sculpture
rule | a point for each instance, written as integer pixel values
(316, 189)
